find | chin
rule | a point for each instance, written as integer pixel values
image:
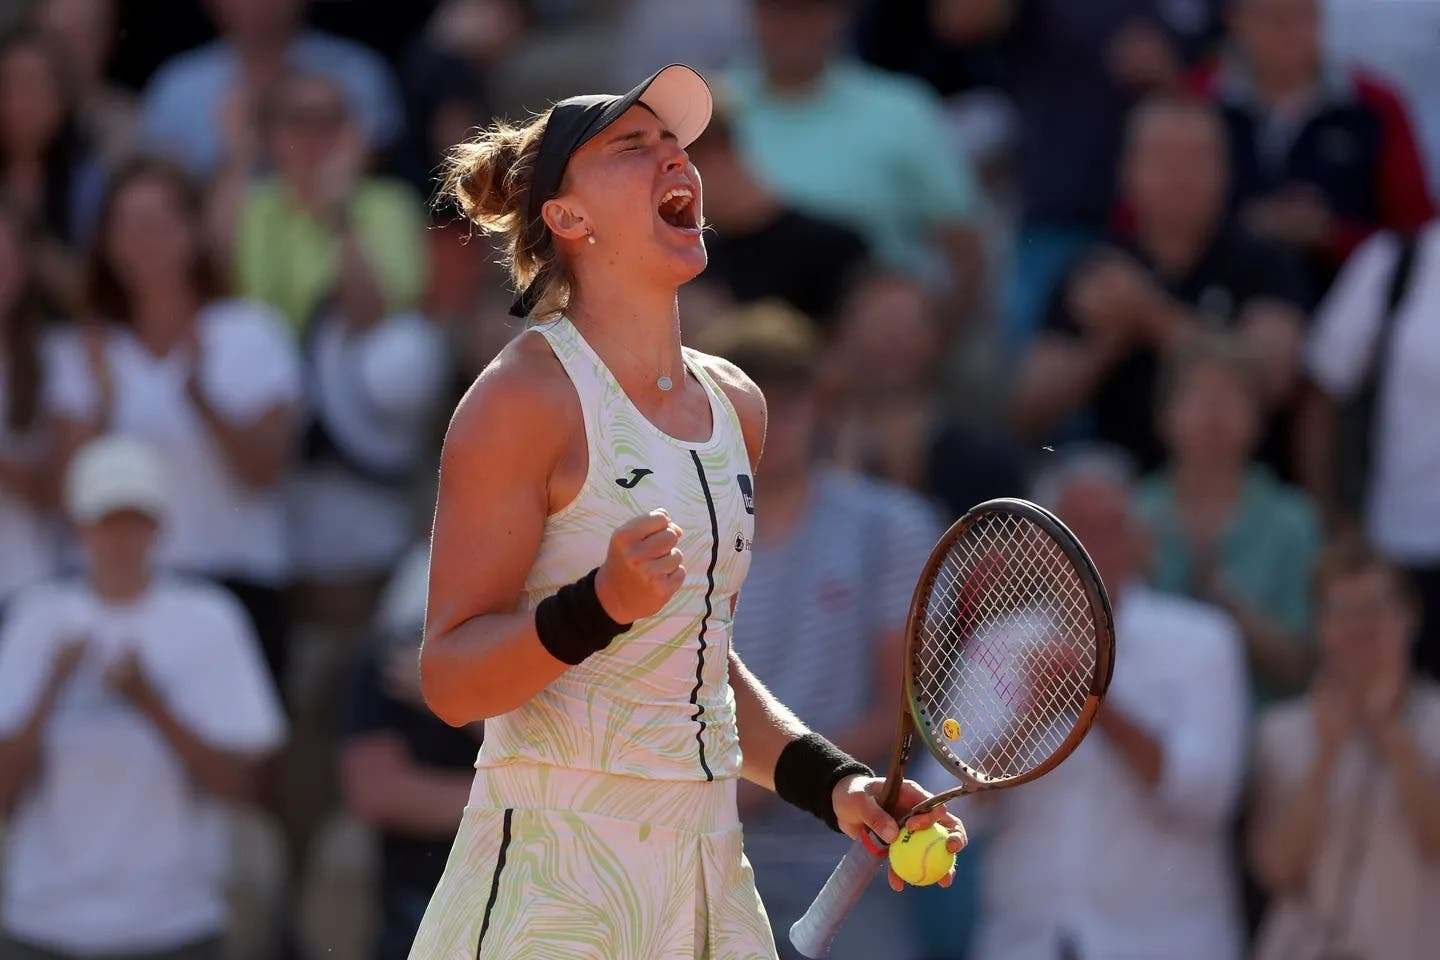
(684, 264)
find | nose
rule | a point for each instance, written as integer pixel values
(673, 157)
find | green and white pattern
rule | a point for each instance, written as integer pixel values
(602, 823)
(657, 703)
(552, 863)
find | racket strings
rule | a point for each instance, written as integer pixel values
(1006, 649)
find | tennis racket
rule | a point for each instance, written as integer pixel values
(1009, 647)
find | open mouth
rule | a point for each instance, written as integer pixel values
(677, 208)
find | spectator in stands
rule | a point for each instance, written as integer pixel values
(762, 247)
(708, 36)
(213, 383)
(1181, 268)
(85, 31)
(835, 560)
(1346, 827)
(1122, 850)
(1225, 530)
(1397, 41)
(884, 412)
(1074, 70)
(133, 706)
(1321, 156)
(406, 773)
(321, 233)
(27, 539)
(866, 148)
(1371, 432)
(341, 254)
(192, 98)
(46, 171)
(447, 78)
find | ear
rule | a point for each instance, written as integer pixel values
(565, 219)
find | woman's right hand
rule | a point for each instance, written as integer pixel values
(643, 568)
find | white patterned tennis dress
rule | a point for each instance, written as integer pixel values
(602, 822)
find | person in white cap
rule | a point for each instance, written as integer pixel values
(131, 707)
(592, 532)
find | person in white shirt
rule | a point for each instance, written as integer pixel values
(1346, 827)
(132, 706)
(1347, 354)
(1123, 850)
(214, 384)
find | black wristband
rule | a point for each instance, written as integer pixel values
(807, 771)
(572, 624)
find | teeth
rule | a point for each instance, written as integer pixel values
(677, 192)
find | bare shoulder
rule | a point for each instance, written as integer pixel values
(522, 400)
(744, 396)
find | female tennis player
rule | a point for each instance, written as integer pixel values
(591, 536)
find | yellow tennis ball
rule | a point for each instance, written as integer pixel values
(921, 858)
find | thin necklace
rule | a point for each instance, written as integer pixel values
(663, 381)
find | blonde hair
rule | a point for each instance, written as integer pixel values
(489, 177)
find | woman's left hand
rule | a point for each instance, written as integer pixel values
(856, 809)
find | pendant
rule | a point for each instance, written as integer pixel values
(664, 383)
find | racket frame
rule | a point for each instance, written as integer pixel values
(813, 932)
(1102, 617)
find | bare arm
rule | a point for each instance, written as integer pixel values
(231, 774)
(1418, 785)
(766, 725)
(1139, 749)
(388, 788)
(1316, 449)
(20, 752)
(1276, 654)
(224, 773)
(481, 656)
(1057, 377)
(257, 452)
(1287, 828)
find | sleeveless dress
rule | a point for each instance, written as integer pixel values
(602, 821)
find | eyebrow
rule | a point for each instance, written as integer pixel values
(637, 135)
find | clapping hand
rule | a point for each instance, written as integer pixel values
(127, 677)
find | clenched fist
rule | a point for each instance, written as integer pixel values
(643, 568)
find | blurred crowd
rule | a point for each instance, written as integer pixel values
(1170, 267)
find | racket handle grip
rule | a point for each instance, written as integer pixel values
(813, 932)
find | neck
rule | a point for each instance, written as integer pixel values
(1175, 248)
(262, 58)
(783, 500)
(162, 315)
(1281, 88)
(634, 330)
(122, 585)
(1208, 479)
(793, 84)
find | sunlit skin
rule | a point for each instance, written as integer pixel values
(612, 189)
